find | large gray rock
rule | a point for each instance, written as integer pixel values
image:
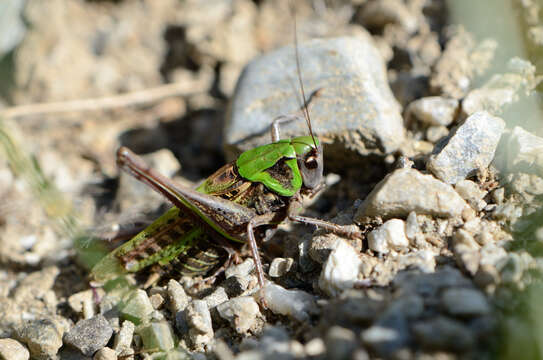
(355, 105)
(407, 190)
(469, 149)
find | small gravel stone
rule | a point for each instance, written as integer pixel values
(123, 339)
(90, 335)
(156, 300)
(436, 133)
(157, 335)
(11, 349)
(243, 269)
(105, 354)
(83, 302)
(412, 227)
(341, 269)
(463, 302)
(471, 192)
(400, 193)
(315, 347)
(433, 110)
(199, 321)
(43, 338)
(321, 246)
(242, 312)
(280, 266)
(340, 343)
(138, 308)
(378, 338)
(441, 333)
(235, 285)
(468, 149)
(389, 235)
(295, 303)
(216, 297)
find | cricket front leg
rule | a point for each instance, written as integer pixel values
(346, 231)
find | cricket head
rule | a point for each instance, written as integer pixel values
(309, 156)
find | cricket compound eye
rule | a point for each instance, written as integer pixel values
(311, 162)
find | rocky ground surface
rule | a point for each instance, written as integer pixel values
(425, 155)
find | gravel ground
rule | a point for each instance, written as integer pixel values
(425, 155)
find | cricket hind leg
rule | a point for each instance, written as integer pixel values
(260, 220)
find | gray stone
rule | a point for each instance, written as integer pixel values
(90, 335)
(340, 343)
(441, 333)
(465, 302)
(242, 312)
(157, 335)
(235, 285)
(407, 190)
(123, 339)
(280, 266)
(138, 307)
(341, 269)
(105, 354)
(11, 349)
(217, 297)
(433, 110)
(321, 246)
(43, 338)
(199, 322)
(467, 150)
(429, 285)
(354, 106)
(243, 269)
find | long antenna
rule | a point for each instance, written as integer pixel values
(299, 72)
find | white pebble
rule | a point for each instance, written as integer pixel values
(340, 270)
(389, 235)
(295, 303)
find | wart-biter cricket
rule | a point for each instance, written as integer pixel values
(242, 202)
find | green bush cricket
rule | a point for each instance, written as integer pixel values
(242, 202)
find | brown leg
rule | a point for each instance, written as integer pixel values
(253, 223)
(346, 231)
